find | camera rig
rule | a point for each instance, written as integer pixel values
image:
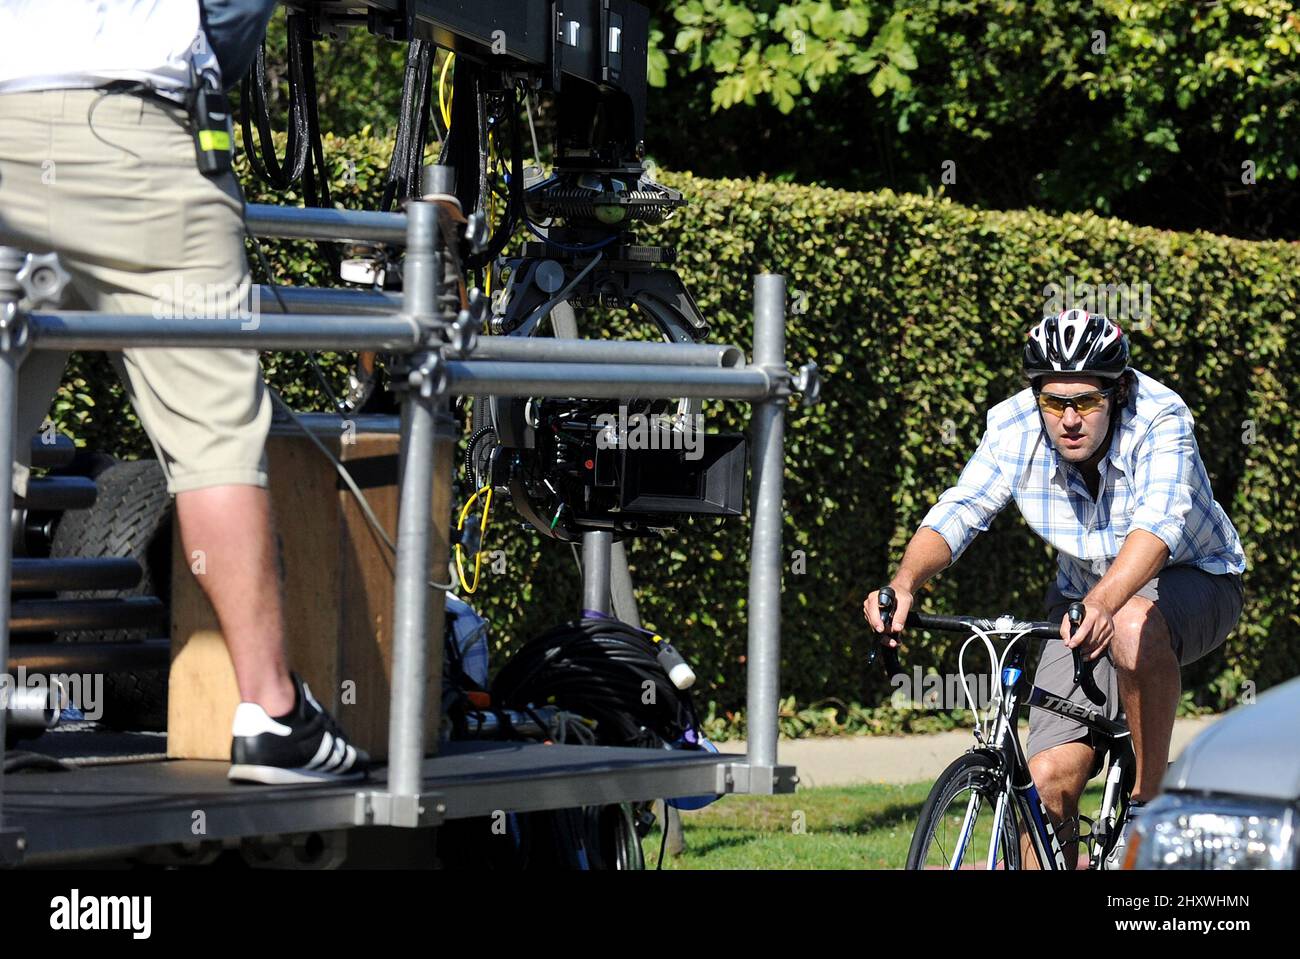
(570, 466)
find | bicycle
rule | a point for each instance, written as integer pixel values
(995, 772)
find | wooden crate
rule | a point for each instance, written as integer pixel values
(338, 590)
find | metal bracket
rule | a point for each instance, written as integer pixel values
(387, 809)
(44, 280)
(14, 328)
(13, 846)
(462, 334)
(756, 780)
(476, 232)
(808, 382)
(429, 376)
(781, 380)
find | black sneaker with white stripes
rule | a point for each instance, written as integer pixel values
(306, 745)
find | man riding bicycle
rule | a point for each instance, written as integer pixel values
(1103, 463)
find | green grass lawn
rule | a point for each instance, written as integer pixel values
(849, 827)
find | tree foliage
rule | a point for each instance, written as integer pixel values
(1162, 111)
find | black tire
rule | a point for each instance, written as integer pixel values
(936, 836)
(621, 844)
(131, 517)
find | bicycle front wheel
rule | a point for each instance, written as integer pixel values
(956, 824)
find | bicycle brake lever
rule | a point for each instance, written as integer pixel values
(887, 602)
(1076, 612)
(1083, 670)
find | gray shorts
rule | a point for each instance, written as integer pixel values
(1200, 610)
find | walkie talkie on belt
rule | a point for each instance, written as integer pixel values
(213, 130)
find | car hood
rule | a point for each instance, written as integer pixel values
(1252, 751)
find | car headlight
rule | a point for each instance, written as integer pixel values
(1200, 832)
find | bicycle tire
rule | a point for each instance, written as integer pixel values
(971, 772)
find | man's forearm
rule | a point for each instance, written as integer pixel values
(1142, 556)
(926, 555)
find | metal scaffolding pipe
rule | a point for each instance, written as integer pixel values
(50, 455)
(12, 350)
(542, 349)
(90, 657)
(765, 560)
(597, 547)
(115, 331)
(622, 593)
(322, 223)
(41, 575)
(316, 299)
(608, 380)
(333, 424)
(60, 493)
(421, 430)
(48, 615)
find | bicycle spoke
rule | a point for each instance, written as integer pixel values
(965, 822)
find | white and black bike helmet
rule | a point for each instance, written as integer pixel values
(1076, 341)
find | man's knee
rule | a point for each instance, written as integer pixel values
(1141, 635)
(1061, 773)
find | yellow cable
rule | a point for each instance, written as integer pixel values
(482, 534)
(444, 105)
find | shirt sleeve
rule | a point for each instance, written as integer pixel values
(967, 509)
(1163, 475)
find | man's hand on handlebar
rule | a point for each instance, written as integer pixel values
(1093, 635)
(871, 610)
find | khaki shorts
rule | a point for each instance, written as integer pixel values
(1200, 610)
(120, 198)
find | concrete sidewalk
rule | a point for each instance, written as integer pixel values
(845, 760)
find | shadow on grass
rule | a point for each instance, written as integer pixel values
(718, 843)
(735, 835)
(895, 814)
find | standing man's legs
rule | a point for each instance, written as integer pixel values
(233, 526)
(141, 230)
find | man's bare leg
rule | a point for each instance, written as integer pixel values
(1149, 686)
(1060, 774)
(232, 526)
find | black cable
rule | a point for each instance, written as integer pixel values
(316, 183)
(17, 760)
(515, 207)
(471, 453)
(261, 156)
(304, 151)
(600, 669)
(406, 163)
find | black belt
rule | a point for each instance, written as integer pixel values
(144, 91)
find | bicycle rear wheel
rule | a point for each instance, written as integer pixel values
(971, 785)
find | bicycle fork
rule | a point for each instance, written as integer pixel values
(1108, 819)
(1000, 807)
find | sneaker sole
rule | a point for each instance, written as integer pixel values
(279, 776)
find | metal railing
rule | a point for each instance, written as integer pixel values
(411, 327)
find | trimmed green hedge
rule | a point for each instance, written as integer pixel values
(915, 309)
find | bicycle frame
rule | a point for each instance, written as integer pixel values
(1013, 769)
(1002, 748)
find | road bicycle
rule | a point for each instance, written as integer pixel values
(981, 803)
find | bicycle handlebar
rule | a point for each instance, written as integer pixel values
(967, 624)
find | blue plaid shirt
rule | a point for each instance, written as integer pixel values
(1151, 478)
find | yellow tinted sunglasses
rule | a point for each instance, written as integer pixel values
(1083, 403)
